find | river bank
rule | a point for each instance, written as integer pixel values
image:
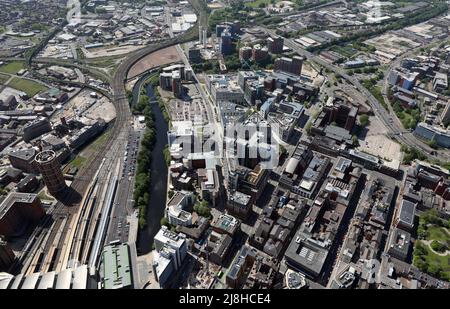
(158, 173)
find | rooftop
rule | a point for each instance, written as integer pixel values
(116, 266)
(16, 197)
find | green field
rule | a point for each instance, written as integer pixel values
(12, 67)
(30, 87)
(438, 233)
(434, 238)
(257, 3)
(100, 141)
(437, 265)
(3, 78)
(409, 117)
(376, 92)
(77, 162)
(346, 51)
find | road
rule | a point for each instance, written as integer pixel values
(50, 245)
(74, 13)
(380, 112)
(394, 64)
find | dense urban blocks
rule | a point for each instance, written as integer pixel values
(294, 144)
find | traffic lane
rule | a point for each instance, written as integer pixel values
(376, 106)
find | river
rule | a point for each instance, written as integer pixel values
(158, 186)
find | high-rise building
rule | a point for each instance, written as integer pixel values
(259, 53)
(200, 34)
(171, 79)
(244, 76)
(50, 168)
(171, 250)
(221, 28)
(245, 53)
(275, 45)
(177, 88)
(195, 55)
(289, 65)
(225, 44)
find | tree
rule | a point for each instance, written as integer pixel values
(355, 141)
(433, 143)
(165, 222)
(422, 232)
(364, 120)
(438, 246)
(282, 149)
(431, 217)
(420, 249)
(308, 127)
(434, 269)
(420, 263)
(202, 208)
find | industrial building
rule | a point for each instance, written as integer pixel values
(36, 128)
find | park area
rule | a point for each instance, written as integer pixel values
(12, 67)
(259, 3)
(31, 88)
(432, 249)
(3, 78)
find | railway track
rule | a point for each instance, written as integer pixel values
(67, 211)
(51, 244)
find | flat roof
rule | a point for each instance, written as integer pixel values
(15, 197)
(306, 255)
(116, 266)
(407, 212)
(400, 240)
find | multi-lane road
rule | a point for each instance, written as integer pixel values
(394, 127)
(58, 238)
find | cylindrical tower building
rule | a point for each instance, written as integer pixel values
(50, 169)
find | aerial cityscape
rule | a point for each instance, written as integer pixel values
(224, 144)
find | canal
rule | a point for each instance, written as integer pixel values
(158, 186)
